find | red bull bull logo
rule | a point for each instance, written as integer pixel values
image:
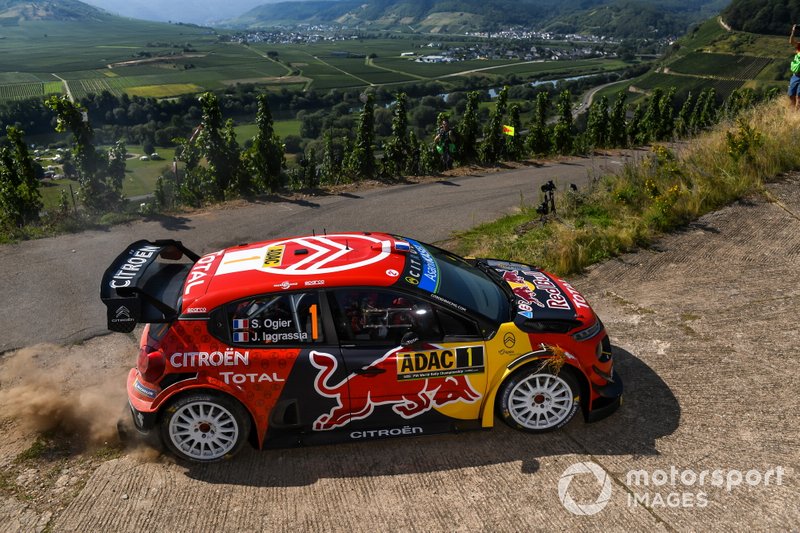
(379, 384)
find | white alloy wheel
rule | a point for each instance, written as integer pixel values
(204, 428)
(539, 401)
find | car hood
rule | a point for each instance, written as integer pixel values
(540, 295)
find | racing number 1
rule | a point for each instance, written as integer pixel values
(314, 327)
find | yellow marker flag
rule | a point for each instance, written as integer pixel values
(508, 130)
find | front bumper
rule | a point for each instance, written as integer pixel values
(609, 401)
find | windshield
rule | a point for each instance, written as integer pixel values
(453, 280)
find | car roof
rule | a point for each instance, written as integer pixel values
(296, 263)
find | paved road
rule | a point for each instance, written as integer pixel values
(50, 286)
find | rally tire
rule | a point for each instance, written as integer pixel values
(202, 427)
(537, 401)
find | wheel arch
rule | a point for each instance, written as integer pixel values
(524, 363)
(203, 388)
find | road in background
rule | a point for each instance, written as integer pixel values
(51, 286)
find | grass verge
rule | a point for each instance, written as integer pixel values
(619, 213)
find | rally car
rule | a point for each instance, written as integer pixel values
(327, 338)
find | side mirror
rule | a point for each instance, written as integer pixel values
(409, 338)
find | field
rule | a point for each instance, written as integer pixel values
(721, 65)
(157, 60)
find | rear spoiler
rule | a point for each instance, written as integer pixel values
(136, 288)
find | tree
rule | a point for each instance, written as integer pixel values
(117, 157)
(20, 200)
(514, 147)
(360, 162)
(652, 118)
(469, 129)
(538, 135)
(491, 148)
(397, 147)
(331, 167)
(617, 135)
(597, 125)
(635, 126)
(563, 130)
(666, 115)
(215, 147)
(96, 191)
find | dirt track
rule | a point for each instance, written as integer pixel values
(704, 326)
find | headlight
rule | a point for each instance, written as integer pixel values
(588, 333)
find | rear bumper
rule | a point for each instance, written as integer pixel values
(139, 404)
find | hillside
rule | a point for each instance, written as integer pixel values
(14, 11)
(774, 17)
(636, 18)
(710, 56)
(622, 18)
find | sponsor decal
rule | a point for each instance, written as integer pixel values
(408, 398)
(393, 432)
(197, 276)
(274, 256)
(130, 269)
(422, 268)
(448, 302)
(437, 363)
(122, 315)
(239, 379)
(267, 338)
(509, 340)
(147, 391)
(525, 293)
(285, 285)
(524, 307)
(392, 273)
(555, 298)
(511, 275)
(266, 330)
(228, 357)
(526, 314)
(197, 310)
(322, 252)
(577, 298)
(314, 282)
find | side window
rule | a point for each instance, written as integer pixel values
(455, 327)
(286, 319)
(382, 317)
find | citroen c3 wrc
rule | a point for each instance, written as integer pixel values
(330, 338)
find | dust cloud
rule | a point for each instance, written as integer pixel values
(76, 390)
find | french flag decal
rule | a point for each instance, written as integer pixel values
(240, 323)
(241, 336)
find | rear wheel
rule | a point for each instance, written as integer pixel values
(537, 401)
(202, 427)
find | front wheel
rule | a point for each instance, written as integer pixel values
(205, 428)
(537, 401)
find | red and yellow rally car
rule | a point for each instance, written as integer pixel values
(353, 336)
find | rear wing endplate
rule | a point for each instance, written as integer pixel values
(137, 288)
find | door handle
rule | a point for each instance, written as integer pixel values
(369, 371)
